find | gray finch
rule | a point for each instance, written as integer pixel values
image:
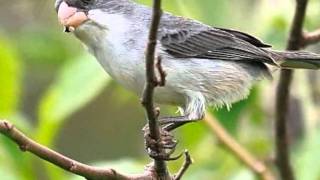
(204, 65)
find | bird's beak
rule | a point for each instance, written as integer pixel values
(70, 17)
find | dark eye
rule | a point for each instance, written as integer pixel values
(81, 4)
(87, 2)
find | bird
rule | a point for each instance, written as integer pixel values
(206, 66)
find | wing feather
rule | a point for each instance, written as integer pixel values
(200, 41)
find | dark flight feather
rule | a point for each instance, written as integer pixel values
(216, 43)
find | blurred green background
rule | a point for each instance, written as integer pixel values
(58, 94)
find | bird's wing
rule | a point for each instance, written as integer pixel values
(185, 38)
(246, 37)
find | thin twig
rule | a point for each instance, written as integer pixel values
(88, 172)
(283, 95)
(151, 84)
(240, 152)
(186, 164)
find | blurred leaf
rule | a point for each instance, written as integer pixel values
(276, 33)
(244, 174)
(19, 161)
(307, 157)
(212, 160)
(10, 71)
(206, 11)
(78, 83)
(6, 173)
(44, 47)
(10, 78)
(312, 20)
(230, 118)
(192, 134)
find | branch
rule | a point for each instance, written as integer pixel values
(295, 42)
(310, 38)
(185, 166)
(241, 153)
(151, 84)
(75, 167)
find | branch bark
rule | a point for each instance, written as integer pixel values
(295, 42)
(151, 83)
(89, 172)
(240, 152)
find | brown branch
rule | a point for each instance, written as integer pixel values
(295, 42)
(162, 73)
(241, 153)
(310, 38)
(151, 83)
(282, 146)
(75, 167)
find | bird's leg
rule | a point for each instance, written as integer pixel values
(171, 123)
(193, 110)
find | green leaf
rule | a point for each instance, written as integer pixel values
(36, 51)
(307, 157)
(229, 118)
(192, 134)
(18, 161)
(78, 82)
(10, 79)
(7, 174)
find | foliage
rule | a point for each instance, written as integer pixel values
(72, 84)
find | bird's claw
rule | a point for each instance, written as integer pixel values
(164, 156)
(162, 149)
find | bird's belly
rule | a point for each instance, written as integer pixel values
(132, 77)
(219, 82)
(128, 69)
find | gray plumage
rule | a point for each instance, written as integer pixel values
(205, 65)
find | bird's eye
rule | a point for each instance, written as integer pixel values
(81, 4)
(87, 1)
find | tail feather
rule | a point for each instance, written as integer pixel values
(297, 59)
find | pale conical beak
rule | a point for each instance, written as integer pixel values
(70, 17)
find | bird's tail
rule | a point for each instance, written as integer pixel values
(296, 59)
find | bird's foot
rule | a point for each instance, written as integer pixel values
(163, 148)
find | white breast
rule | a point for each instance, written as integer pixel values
(114, 47)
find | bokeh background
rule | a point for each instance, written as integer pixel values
(58, 94)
